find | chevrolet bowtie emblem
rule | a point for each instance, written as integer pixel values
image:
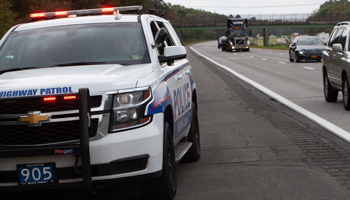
(34, 118)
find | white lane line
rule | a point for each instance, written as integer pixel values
(320, 121)
(282, 63)
(252, 56)
(282, 53)
(310, 68)
(263, 59)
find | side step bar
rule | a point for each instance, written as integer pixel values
(181, 149)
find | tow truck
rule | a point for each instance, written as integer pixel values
(93, 97)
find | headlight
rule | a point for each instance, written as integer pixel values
(301, 52)
(129, 108)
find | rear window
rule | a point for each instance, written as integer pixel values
(117, 43)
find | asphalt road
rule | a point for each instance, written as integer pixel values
(301, 83)
(252, 146)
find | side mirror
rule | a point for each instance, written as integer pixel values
(249, 32)
(172, 53)
(160, 37)
(337, 47)
(293, 44)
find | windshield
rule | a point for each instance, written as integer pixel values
(117, 43)
(309, 41)
(238, 32)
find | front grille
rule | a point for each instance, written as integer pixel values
(240, 42)
(313, 51)
(46, 133)
(23, 105)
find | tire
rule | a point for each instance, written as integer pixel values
(164, 186)
(194, 153)
(330, 94)
(296, 58)
(290, 58)
(346, 94)
(223, 48)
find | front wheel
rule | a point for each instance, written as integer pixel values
(330, 94)
(164, 186)
(346, 97)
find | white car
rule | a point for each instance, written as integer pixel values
(88, 100)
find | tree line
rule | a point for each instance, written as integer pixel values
(14, 12)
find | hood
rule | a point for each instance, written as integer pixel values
(58, 80)
(311, 47)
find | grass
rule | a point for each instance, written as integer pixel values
(273, 44)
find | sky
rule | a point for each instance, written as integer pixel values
(252, 7)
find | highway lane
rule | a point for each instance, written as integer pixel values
(252, 148)
(301, 83)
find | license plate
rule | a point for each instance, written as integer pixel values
(313, 56)
(33, 174)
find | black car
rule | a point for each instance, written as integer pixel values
(306, 48)
(222, 40)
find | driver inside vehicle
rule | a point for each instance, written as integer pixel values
(124, 45)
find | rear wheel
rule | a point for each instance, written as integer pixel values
(330, 94)
(346, 97)
(194, 153)
(164, 186)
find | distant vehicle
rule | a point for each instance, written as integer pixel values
(324, 37)
(336, 68)
(222, 40)
(306, 48)
(237, 35)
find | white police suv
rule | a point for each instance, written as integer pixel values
(89, 97)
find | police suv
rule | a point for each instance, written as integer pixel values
(88, 97)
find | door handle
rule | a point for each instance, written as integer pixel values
(179, 77)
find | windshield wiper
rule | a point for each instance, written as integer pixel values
(78, 63)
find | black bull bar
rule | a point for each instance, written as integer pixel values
(80, 149)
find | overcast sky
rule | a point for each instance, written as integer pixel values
(247, 7)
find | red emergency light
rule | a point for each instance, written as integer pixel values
(49, 99)
(61, 13)
(107, 10)
(69, 97)
(37, 15)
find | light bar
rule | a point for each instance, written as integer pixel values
(97, 11)
(156, 12)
